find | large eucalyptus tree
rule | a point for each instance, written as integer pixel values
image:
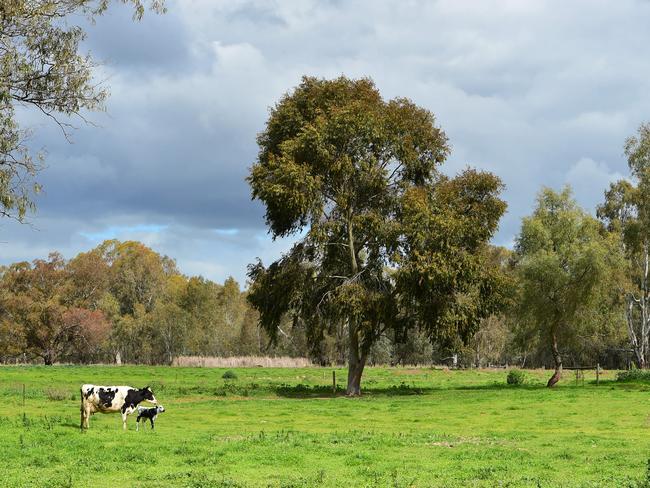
(384, 240)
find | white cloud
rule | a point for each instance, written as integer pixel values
(587, 177)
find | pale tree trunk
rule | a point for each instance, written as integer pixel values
(644, 310)
(634, 340)
(640, 334)
(557, 359)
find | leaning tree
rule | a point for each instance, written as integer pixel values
(565, 263)
(385, 242)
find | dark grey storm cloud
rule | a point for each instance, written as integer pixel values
(539, 92)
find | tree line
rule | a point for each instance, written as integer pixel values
(120, 302)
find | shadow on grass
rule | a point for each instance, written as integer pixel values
(320, 391)
(403, 389)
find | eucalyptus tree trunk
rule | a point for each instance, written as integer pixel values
(557, 359)
(356, 362)
(356, 355)
(639, 326)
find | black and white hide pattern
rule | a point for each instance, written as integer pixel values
(112, 399)
(148, 413)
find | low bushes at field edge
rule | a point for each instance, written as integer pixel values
(634, 375)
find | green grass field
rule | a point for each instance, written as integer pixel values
(284, 428)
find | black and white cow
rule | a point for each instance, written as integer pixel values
(148, 413)
(112, 399)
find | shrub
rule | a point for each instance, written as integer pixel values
(57, 394)
(229, 375)
(516, 377)
(634, 375)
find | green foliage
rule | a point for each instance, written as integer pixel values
(41, 67)
(229, 375)
(387, 243)
(634, 374)
(567, 268)
(516, 377)
(626, 212)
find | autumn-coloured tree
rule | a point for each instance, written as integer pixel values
(32, 302)
(88, 277)
(137, 274)
(91, 331)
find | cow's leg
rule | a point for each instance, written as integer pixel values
(137, 423)
(125, 415)
(85, 416)
(84, 411)
(151, 420)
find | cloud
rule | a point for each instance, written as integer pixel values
(540, 93)
(587, 175)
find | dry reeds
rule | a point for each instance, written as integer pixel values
(241, 362)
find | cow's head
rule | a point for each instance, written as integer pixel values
(148, 395)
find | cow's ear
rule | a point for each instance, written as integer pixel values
(147, 388)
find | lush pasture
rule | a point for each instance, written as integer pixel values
(283, 427)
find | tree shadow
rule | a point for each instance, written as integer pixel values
(306, 391)
(403, 389)
(322, 391)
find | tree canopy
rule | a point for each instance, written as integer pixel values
(385, 241)
(626, 211)
(564, 262)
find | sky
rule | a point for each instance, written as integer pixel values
(538, 92)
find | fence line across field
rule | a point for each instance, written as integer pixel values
(580, 372)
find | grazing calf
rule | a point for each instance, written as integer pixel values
(148, 413)
(110, 399)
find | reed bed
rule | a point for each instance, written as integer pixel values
(242, 362)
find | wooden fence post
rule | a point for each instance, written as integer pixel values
(598, 374)
(334, 383)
